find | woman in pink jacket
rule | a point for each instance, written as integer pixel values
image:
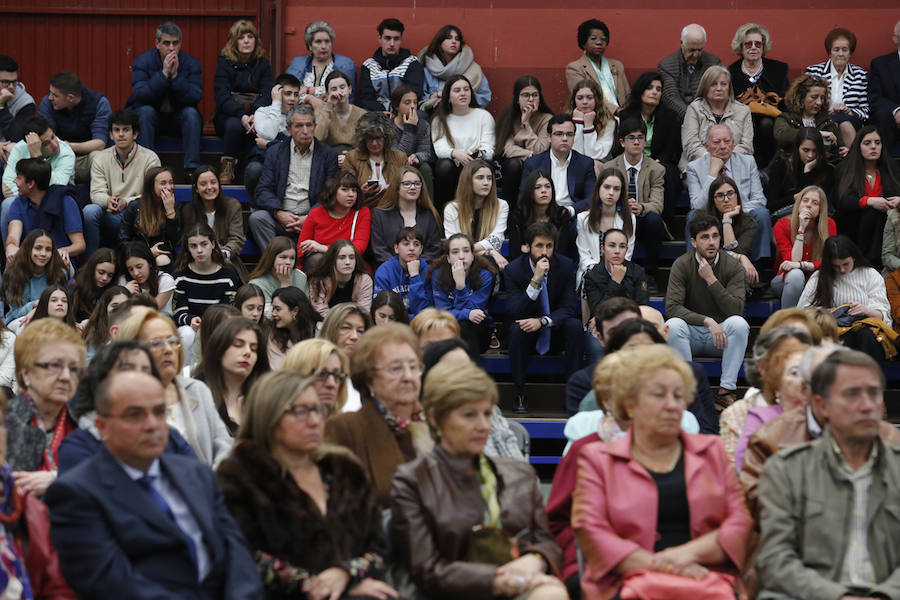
(657, 507)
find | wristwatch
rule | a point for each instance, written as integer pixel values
(545, 321)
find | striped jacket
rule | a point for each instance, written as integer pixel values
(855, 86)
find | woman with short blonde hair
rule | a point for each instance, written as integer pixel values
(714, 104)
(321, 359)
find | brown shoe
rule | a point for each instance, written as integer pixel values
(725, 398)
(226, 177)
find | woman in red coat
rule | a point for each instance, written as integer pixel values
(340, 215)
(657, 506)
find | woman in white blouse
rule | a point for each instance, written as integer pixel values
(478, 212)
(849, 100)
(845, 278)
(461, 132)
(608, 202)
(595, 126)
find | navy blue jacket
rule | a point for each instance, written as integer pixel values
(560, 289)
(249, 77)
(81, 444)
(415, 291)
(580, 175)
(86, 121)
(110, 535)
(273, 180)
(149, 87)
(368, 97)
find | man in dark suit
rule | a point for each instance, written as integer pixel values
(572, 173)
(543, 307)
(646, 190)
(293, 175)
(884, 95)
(132, 522)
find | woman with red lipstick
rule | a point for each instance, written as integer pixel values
(657, 506)
(468, 525)
(35, 266)
(340, 215)
(233, 358)
(868, 187)
(306, 507)
(202, 279)
(55, 303)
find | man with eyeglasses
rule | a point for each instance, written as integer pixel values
(646, 189)
(572, 172)
(721, 160)
(681, 70)
(16, 106)
(140, 522)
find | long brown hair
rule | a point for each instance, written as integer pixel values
(151, 216)
(443, 109)
(326, 274)
(391, 196)
(820, 230)
(84, 290)
(602, 116)
(440, 269)
(20, 272)
(465, 199)
(239, 28)
(595, 213)
(279, 244)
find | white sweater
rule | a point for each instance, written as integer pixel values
(864, 285)
(592, 143)
(498, 233)
(471, 132)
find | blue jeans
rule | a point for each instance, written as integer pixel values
(789, 286)
(762, 241)
(689, 339)
(4, 216)
(186, 121)
(100, 228)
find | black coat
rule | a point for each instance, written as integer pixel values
(666, 144)
(774, 77)
(249, 77)
(599, 286)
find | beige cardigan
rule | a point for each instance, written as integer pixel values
(699, 119)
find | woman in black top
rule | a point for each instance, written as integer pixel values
(615, 276)
(753, 76)
(537, 204)
(806, 165)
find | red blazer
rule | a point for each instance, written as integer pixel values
(611, 525)
(782, 232)
(321, 227)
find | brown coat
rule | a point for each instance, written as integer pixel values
(357, 163)
(435, 502)
(583, 69)
(651, 182)
(367, 435)
(779, 433)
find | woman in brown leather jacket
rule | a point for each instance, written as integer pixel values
(468, 526)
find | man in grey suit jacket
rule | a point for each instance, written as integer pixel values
(721, 159)
(645, 179)
(681, 70)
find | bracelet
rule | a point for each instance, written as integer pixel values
(726, 221)
(172, 216)
(800, 238)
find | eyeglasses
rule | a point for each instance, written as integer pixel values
(411, 184)
(339, 377)
(135, 415)
(302, 412)
(753, 44)
(375, 138)
(598, 39)
(9, 82)
(56, 368)
(530, 96)
(396, 370)
(158, 344)
(634, 138)
(722, 195)
(568, 134)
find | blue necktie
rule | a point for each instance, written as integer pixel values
(543, 341)
(146, 483)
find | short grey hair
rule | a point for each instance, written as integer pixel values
(709, 131)
(315, 27)
(168, 28)
(300, 109)
(746, 29)
(693, 28)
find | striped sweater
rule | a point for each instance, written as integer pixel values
(855, 86)
(864, 285)
(194, 293)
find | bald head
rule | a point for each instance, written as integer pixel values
(693, 40)
(649, 313)
(131, 417)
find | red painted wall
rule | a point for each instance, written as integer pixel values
(511, 38)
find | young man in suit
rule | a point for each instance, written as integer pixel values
(542, 306)
(137, 523)
(646, 190)
(884, 95)
(293, 174)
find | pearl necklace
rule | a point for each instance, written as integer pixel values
(753, 77)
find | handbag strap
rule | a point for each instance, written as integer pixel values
(353, 227)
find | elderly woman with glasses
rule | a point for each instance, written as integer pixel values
(49, 359)
(389, 429)
(306, 507)
(190, 409)
(328, 364)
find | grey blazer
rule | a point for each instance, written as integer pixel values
(206, 433)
